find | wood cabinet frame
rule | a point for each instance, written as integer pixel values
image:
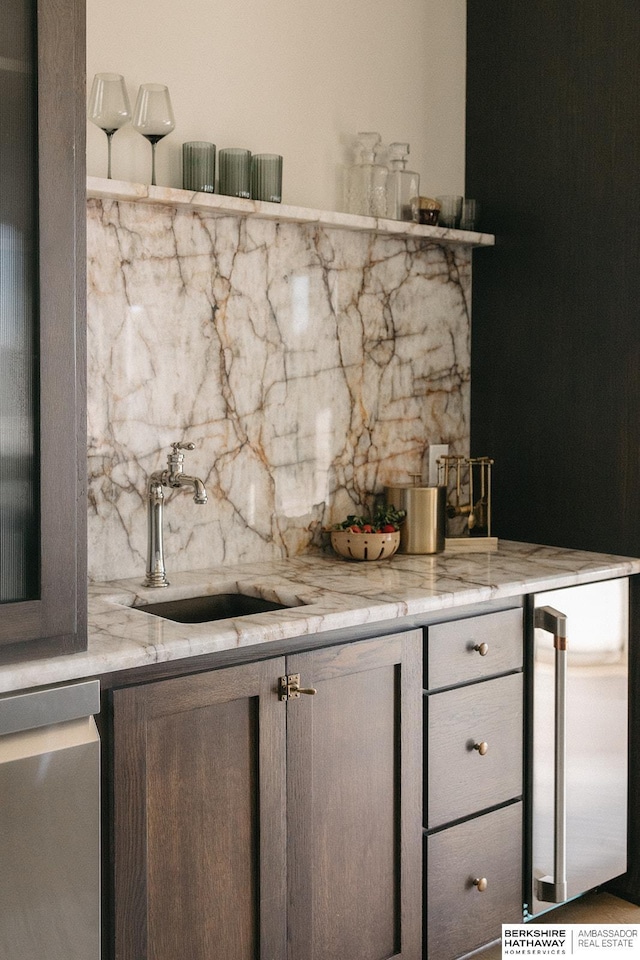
(56, 622)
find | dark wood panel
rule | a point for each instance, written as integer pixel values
(451, 654)
(460, 917)
(354, 751)
(553, 152)
(553, 149)
(462, 781)
(199, 817)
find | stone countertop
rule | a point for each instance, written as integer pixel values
(330, 594)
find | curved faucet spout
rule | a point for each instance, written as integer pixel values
(199, 492)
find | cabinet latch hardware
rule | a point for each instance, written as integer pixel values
(289, 687)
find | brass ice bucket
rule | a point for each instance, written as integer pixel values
(424, 527)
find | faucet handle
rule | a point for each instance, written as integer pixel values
(175, 457)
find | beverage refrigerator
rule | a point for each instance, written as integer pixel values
(577, 742)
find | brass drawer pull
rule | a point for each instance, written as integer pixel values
(481, 884)
(482, 748)
(482, 649)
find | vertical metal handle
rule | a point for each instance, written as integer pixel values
(554, 889)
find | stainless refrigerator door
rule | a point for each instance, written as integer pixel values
(49, 826)
(594, 797)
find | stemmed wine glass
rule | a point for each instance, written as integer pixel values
(153, 117)
(109, 107)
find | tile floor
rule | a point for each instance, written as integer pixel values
(592, 908)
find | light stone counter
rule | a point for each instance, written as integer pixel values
(332, 595)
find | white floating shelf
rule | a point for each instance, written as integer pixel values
(216, 205)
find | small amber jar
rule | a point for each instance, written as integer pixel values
(425, 210)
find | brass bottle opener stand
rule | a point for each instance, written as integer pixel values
(477, 511)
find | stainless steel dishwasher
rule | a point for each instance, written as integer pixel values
(50, 824)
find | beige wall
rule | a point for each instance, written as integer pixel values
(295, 77)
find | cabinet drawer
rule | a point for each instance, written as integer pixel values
(460, 779)
(460, 918)
(451, 654)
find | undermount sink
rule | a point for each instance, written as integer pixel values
(216, 606)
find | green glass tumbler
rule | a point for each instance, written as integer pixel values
(198, 166)
(450, 211)
(266, 177)
(234, 172)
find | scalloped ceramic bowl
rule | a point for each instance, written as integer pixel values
(365, 546)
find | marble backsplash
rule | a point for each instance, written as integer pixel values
(309, 365)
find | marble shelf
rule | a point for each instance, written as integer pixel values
(216, 205)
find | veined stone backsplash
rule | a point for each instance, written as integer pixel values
(309, 365)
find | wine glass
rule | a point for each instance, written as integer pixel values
(153, 117)
(109, 107)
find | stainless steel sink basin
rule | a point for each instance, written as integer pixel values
(216, 606)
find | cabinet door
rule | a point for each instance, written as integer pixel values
(464, 913)
(199, 817)
(42, 271)
(354, 755)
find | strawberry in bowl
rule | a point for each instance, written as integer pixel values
(357, 538)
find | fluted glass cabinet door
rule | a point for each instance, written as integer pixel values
(19, 567)
(41, 322)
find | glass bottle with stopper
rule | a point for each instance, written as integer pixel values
(366, 187)
(402, 184)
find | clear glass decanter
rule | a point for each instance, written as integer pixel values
(366, 187)
(402, 184)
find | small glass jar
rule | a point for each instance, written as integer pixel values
(425, 210)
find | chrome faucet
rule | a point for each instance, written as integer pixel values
(171, 477)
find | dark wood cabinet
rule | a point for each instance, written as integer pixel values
(464, 912)
(199, 816)
(474, 732)
(42, 355)
(475, 748)
(248, 828)
(354, 802)
(384, 812)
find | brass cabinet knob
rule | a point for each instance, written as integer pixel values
(482, 748)
(481, 884)
(482, 649)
